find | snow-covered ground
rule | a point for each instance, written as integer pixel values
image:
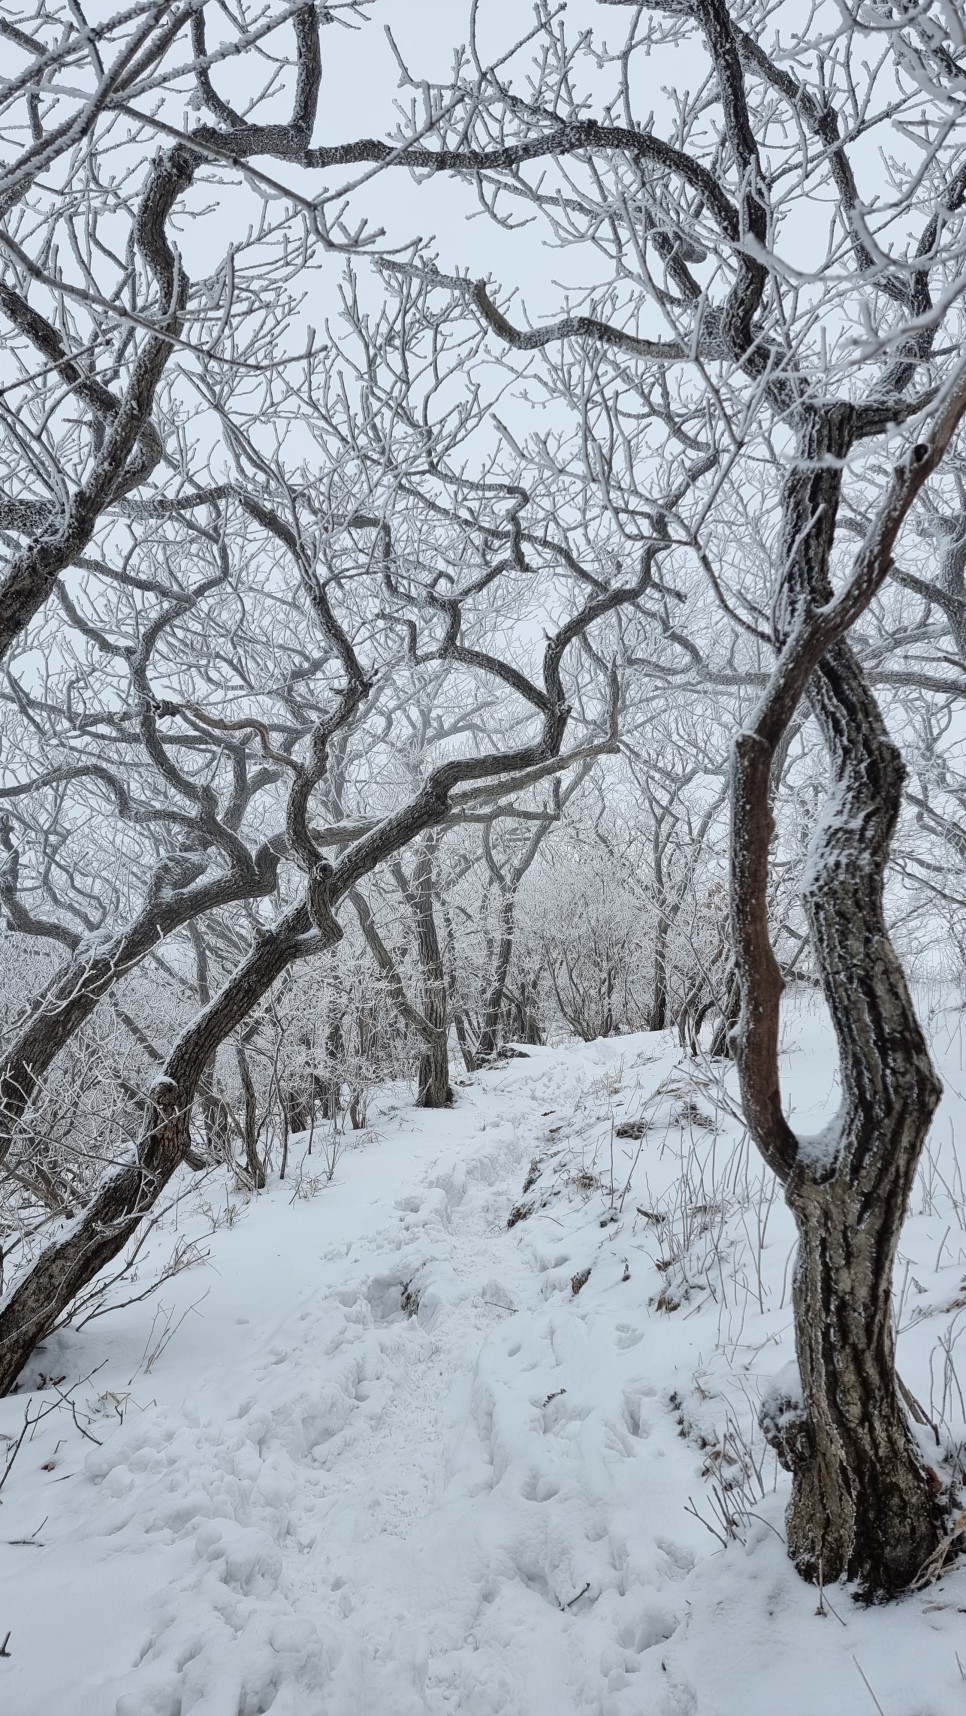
(380, 1454)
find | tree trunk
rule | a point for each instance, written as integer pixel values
(215, 1117)
(862, 1505)
(608, 1026)
(329, 1081)
(433, 1086)
(496, 993)
(253, 1164)
(720, 1048)
(659, 995)
(430, 1023)
(466, 1033)
(526, 1012)
(464, 1039)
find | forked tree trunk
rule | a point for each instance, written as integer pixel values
(862, 1504)
(508, 878)
(430, 1020)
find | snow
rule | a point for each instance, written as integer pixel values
(781, 1395)
(371, 1454)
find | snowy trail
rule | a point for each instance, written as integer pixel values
(393, 1465)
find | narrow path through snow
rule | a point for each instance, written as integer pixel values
(392, 1464)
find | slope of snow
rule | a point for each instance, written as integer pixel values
(388, 1462)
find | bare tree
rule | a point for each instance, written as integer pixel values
(536, 751)
(427, 1017)
(507, 873)
(186, 805)
(757, 358)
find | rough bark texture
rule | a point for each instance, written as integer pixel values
(433, 1089)
(428, 1021)
(862, 1506)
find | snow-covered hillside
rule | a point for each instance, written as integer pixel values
(471, 1428)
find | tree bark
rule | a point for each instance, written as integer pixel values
(720, 1048)
(862, 1506)
(496, 993)
(433, 1087)
(254, 1167)
(429, 1022)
